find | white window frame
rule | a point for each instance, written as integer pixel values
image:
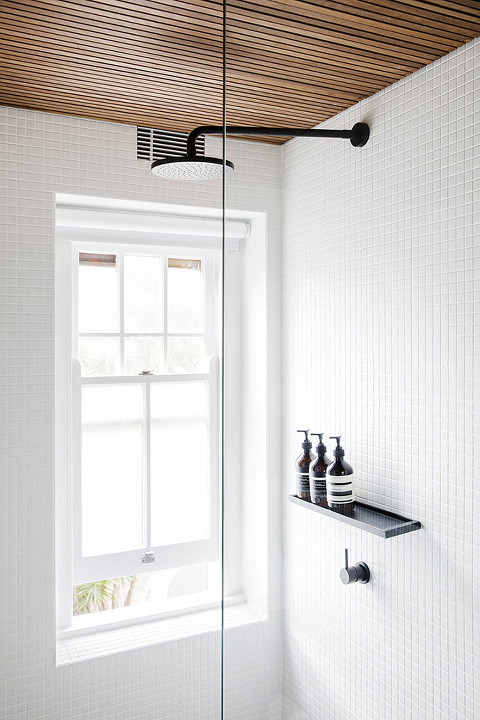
(72, 568)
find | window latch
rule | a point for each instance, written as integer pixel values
(148, 558)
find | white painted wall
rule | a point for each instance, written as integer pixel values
(46, 154)
(381, 310)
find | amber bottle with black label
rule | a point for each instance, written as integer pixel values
(340, 490)
(318, 474)
(302, 465)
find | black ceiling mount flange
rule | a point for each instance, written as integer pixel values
(363, 133)
(358, 135)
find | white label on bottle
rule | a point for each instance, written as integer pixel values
(318, 486)
(303, 483)
(340, 489)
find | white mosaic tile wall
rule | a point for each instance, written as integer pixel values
(381, 306)
(45, 154)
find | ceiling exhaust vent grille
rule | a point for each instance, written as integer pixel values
(160, 144)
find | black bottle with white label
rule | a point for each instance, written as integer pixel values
(340, 491)
(318, 474)
(302, 464)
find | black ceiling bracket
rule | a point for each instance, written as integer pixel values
(362, 133)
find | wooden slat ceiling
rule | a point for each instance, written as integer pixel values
(159, 64)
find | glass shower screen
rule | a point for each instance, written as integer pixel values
(252, 607)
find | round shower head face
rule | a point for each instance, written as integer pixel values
(191, 167)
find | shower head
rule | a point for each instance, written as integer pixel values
(191, 167)
(195, 167)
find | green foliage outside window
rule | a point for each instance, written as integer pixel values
(103, 595)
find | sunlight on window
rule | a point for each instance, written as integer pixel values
(112, 468)
(143, 294)
(185, 296)
(143, 354)
(180, 477)
(97, 297)
(99, 356)
(185, 354)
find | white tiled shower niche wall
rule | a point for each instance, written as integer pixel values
(381, 278)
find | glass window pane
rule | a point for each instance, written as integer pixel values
(112, 468)
(185, 296)
(97, 298)
(162, 587)
(143, 294)
(186, 355)
(143, 354)
(99, 356)
(179, 463)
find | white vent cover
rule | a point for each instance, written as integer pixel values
(159, 144)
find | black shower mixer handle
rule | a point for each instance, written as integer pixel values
(356, 573)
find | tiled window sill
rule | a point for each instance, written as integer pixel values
(109, 642)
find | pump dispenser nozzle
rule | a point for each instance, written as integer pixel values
(321, 448)
(338, 451)
(306, 444)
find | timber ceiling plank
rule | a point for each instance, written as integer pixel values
(159, 63)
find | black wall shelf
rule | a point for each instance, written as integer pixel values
(369, 518)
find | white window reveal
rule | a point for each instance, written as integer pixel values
(137, 414)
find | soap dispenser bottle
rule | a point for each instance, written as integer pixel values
(340, 492)
(318, 474)
(302, 464)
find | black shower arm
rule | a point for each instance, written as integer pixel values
(358, 135)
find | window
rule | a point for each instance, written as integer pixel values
(138, 377)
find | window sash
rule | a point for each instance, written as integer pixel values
(101, 567)
(67, 411)
(121, 250)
